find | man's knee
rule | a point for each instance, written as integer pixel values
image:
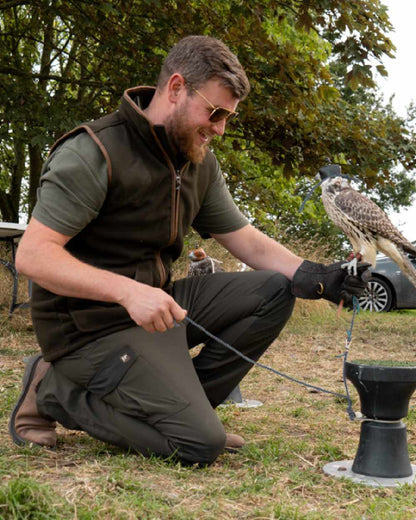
(204, 445)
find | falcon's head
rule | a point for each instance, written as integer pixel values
(331, 186)
(326, 175)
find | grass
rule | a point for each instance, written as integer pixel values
(277, 475)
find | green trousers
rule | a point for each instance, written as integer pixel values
(143, 391)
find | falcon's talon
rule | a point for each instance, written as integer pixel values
(351, 266)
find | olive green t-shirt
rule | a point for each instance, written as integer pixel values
(74, 185)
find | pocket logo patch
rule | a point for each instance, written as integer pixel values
(125, 358)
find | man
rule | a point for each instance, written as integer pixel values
(117, 197)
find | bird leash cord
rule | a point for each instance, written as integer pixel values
(350, 411)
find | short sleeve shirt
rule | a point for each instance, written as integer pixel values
(74, 184)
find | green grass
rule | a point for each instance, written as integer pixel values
(277, 475)
(23, 498)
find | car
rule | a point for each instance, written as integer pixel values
(388, 288)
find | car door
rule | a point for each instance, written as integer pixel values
(406, 291)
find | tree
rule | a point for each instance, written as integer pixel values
(62, 62)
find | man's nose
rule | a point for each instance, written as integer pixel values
(219, 127)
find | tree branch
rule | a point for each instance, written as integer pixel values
(12, 3)
(52, 77)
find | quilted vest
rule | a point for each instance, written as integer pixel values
(149, 207)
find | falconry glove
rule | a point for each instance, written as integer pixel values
(331, 282)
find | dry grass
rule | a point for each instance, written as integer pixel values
(278, 474)
(289, 439)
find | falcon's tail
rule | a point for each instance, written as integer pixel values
(400, 257)
(410, 248)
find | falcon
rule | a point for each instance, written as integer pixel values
(200, 263)
(367, 227)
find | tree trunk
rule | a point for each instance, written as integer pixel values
(10, 201)
(17, 176)
(35, 168)
(6, 210)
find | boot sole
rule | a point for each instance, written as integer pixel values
(27, 379)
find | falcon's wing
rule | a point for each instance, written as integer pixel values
(366, 215)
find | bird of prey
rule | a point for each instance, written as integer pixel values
(201, 263)
(367, 227)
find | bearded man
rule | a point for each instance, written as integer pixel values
(117, 197)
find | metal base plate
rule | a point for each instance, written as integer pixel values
(342, 469)
(245, 403)
(249, 403)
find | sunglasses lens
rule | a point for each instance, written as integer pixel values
(219, 113)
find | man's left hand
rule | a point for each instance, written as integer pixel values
(331, 282)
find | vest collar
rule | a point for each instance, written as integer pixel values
(133, 102)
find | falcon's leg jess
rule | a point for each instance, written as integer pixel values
(351, 267)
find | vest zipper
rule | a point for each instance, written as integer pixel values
(178, 183)
(178, 180)
(176, 189)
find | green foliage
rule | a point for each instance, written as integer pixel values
(313, 97)
(272, 201)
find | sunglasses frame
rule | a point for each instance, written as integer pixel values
(229, 114)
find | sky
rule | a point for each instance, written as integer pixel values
(402, 83)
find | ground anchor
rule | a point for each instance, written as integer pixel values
(382, 457)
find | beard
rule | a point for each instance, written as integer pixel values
(183, 137)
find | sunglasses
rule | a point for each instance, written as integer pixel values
(218, 113)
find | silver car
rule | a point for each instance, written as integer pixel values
(388, 288)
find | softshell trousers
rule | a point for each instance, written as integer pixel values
(144, 391)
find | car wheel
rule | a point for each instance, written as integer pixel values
(377, 297)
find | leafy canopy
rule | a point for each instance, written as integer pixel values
(311, 65)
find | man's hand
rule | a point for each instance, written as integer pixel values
(152, 308)
(332, 282)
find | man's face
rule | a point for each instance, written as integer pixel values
(189, 127)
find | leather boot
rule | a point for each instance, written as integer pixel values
(233, 442)
(26, 425)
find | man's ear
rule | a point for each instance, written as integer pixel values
(176, 87)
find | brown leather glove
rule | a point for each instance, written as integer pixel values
(331, 282)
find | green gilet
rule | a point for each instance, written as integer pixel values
(149, 207)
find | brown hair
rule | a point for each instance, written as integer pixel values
(202, 58)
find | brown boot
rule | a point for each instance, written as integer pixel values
(233, 442)
(26, 426)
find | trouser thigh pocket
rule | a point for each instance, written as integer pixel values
(111, 371)
(143, 375)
